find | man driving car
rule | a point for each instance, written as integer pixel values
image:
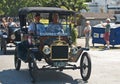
(36, 26)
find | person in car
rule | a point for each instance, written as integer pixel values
(4, 26)
(36, 26)
(55, 26)
(4, 23)
(11, 23)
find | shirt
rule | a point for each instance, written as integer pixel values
(55, 28)
(39, 28)
(88, 34)
(12, 24)
(107, 29)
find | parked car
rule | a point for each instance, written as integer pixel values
(9, 35)
(57, 49)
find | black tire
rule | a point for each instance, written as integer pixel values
(32, 66)
(17, 61)
(0, 43)
(3, 46)
(85, 65)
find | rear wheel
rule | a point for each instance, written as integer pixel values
(17, 62)
(0, 42)
(3, 46)
(85, 65)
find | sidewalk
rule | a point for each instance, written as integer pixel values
(81, 42)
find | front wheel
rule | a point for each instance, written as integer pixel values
(32, 66)
(85, 65)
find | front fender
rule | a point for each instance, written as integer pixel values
(75, 57)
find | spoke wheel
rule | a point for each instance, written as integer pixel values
(3, 46)
(17, 62)
(32, 66)
(0, 43)
(85, 65)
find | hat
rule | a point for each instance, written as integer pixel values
(37, 14)
(108, 19)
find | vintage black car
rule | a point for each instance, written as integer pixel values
(9, 35)
(57, 49)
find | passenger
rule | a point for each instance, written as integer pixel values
(36, 26)
(4, 26)
(55, 26)
(4, 23)
(11, 23)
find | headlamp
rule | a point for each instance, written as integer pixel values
(46, 50)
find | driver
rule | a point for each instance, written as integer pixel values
(36, 26)
(55, 26)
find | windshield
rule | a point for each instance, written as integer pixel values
(55, 30)
(45, 24)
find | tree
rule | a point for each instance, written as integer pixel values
(11, 7)
(75, 5)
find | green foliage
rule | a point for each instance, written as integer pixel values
(74, 34)
(11, 7)
(74, 5)
(88, 0)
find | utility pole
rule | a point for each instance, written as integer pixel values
(106, 6)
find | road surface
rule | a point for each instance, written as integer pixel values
(105, 70)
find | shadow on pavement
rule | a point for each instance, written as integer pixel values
(102, 48)
(12, 76)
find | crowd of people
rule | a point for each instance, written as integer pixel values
(5, 24)
(9, 22)
(56, 27)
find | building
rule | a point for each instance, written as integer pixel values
(99, 10)
(94, 18)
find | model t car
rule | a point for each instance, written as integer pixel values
(55, 48)
(9, 35)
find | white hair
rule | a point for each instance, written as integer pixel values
(88, 22)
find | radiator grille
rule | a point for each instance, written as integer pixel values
(59, 53)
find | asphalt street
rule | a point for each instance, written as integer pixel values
(105, 69)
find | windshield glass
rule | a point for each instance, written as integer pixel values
(53, 24)
(55, 30)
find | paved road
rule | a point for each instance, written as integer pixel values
(105, 70)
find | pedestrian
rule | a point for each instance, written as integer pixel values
(107, 33)
(87, 33)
